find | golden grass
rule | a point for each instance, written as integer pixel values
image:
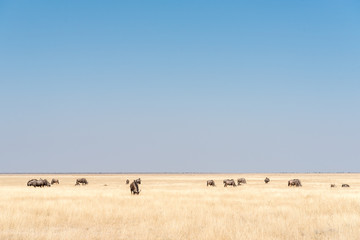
(181, 207)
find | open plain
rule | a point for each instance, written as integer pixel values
(180, 206)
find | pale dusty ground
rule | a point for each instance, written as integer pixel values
(181, 207)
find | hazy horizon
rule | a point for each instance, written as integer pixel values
(165, 173)
(179, 86)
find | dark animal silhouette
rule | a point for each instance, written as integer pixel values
(294, 182)
(229, 182)
(345, 185)
(138, 181)
(54, 180)
(39, 183)
(46, 183)
(267, 180)
(31, 182)
(210, 183)
(127, 181)
(83, 181)
(134, 188)
(241, 181)
(332, 185)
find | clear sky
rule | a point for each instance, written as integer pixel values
(179, 86)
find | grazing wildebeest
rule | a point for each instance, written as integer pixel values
(46, 183)
(127, 181)
(210, 183)
(83, 181)
(267, 180)
(345, 185)
(294, 182)
(332, 185)
(241, 181)
(230, 182)
(38, 183)
(134, 188)
(43, 182)
(54, 180)
(31, 182)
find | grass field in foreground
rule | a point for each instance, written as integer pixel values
(180, 206)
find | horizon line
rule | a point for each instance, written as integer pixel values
(109, 173)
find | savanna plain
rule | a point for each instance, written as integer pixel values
(180, 206)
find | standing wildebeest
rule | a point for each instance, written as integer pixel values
(43, 182)
(134, 188)
(332, 185)
(83, 181)
(241, 181)
(54, 180)
(345, 185)
(210, 183)
(294, 182)
(127, 181)
(138, 181)
(230, 182)
(267, 180)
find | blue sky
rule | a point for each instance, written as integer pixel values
(190, 86)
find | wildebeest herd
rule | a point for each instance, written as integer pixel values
(134, 186)
(240, 181)
(38, 183)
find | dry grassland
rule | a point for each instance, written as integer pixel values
(181, 207)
